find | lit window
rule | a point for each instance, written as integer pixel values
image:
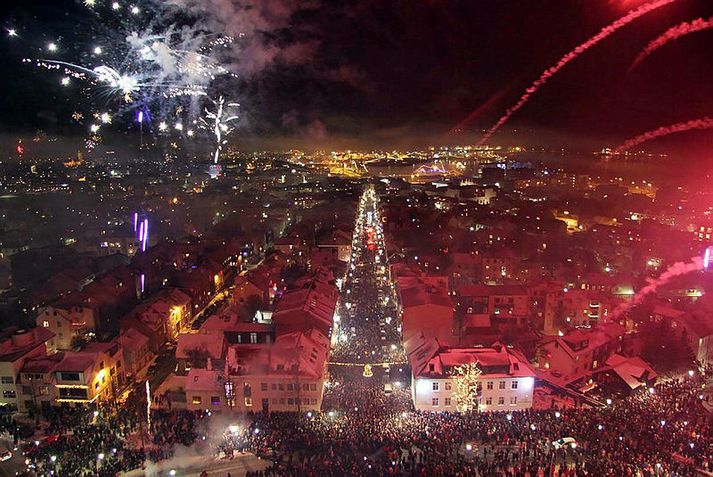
(448, 386)
(197, 400)
(435, 386)
(501, 385)
(501, 401)
(248, 402)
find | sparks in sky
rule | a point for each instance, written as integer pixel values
(566, 59)
(672, 34)
(218, 121)
(141, 57)
(702, 123)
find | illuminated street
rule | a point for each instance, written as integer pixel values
(368, 330)
(356, 238)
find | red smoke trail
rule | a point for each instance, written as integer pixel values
(480, 110)
(678, 268)
(549, 73)
(673, 33)
(703, 123)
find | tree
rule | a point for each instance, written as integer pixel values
(467, 386)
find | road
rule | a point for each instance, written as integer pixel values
(11, 467)
(368, 331)
(193, 467)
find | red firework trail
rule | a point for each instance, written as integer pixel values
(550, 72)
(702, 123)
(673, 33)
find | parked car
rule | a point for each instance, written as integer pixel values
(564, 443)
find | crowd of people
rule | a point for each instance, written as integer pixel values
(364, 431)
(663, 431)
(649, 434)
(367, 329)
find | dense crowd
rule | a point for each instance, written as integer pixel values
(368, 331)
(83, 442)
(648, 434)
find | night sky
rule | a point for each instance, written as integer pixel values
(403, 72)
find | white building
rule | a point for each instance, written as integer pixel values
(505, 383)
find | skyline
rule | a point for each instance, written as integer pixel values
(338, 88)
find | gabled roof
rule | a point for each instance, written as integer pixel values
(422, 295)
(44, 365)
(634, 371)
(77, 362)
(15, 343)
(205, 380)
(132, 338)
(492, 290)
(212, 343)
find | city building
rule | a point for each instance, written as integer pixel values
(499, 378)
(16, 347)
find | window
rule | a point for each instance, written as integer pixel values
(435, 386)
(490, 385)
(248, 402)
(281, 386)
(215, 400)
(314, 401)
(7, 380)
(513, 385)
(26, 390)
(513, 400)
(431, 367)
(274, 387)
(448, 385)
(73, 393)
(69, 376)
(9, 394)
(501, 401)
(501, 385)
(448, 402)
(253, 338)
(46, 324)
(247, 389)
(263, 386)
(290, 387)
(434, 401)
(312, 387)
(488, 401)
(44, 390)
(197, 400)
(305, 387)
